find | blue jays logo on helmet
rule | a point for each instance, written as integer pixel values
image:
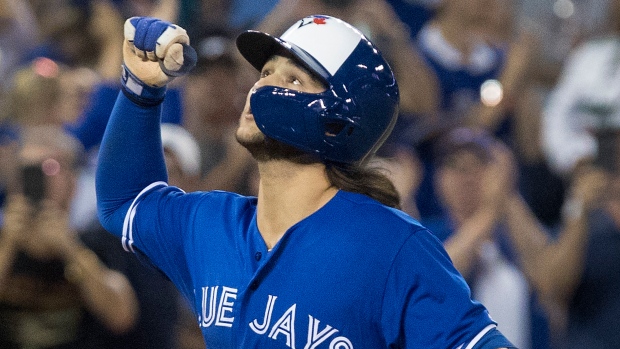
(353, 117)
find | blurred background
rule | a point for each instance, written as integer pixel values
(507, 148)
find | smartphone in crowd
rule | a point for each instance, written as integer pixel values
(34, 183)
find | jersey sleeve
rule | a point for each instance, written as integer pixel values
(157, 226)
(131, 177)
(427, 303)
(130, 159)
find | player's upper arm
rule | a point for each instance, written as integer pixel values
(428, 304)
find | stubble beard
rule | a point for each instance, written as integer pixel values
(263, 149)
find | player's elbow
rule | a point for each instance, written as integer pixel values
(111, 217)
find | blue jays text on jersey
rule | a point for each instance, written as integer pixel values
(214, 313)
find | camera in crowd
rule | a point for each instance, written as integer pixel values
(603, 121)
(34, 183)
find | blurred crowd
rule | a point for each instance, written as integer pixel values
(507, 148)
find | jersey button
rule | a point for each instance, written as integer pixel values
(258, 256)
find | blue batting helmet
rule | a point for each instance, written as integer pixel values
(348, 121)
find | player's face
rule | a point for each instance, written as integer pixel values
(282, 72)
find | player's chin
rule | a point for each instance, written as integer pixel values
(249, 135)
(254, 142)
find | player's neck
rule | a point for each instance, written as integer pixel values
(287, 194)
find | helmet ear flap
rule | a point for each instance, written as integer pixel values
(337, 131)
(336, 121)
(333, 128)
(362, 122)
(333, 120)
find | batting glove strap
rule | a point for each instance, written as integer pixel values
(139, 92)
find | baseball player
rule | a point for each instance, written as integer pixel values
(320, 258)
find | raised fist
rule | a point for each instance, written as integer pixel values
(156, 51)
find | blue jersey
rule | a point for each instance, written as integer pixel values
(354, 274)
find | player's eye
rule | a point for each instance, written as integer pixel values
(295, 81)
(264, 73)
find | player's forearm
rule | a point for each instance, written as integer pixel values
(130, 158)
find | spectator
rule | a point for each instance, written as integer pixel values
(402, 164)
(470, 181)
(577, 272)
(586, 96)
(45, 92)
(53, 285)
(36, 93)
(195, 14)
(102, 297)
(18, 35)
(64, 33)
(182, 156)
(483, 73)
(415, 13)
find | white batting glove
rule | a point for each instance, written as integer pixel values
(155, 52)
